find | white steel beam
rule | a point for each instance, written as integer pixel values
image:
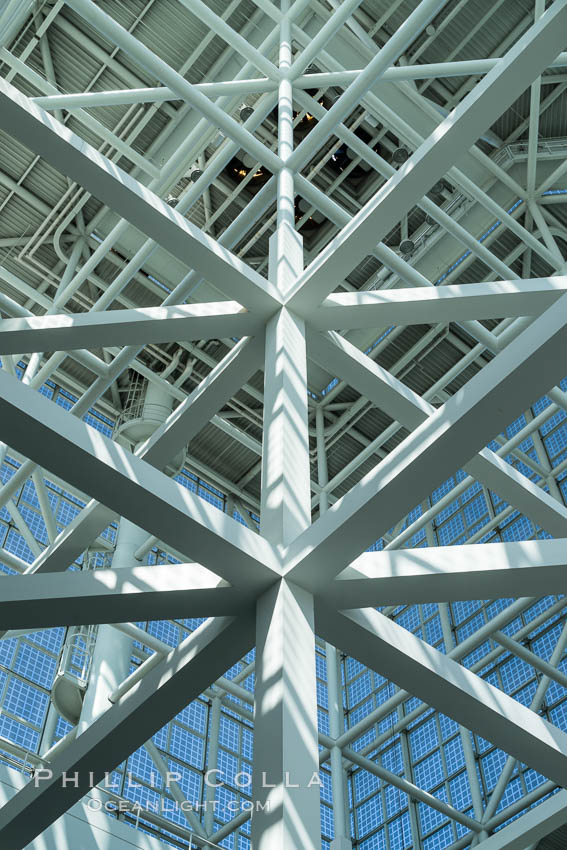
(74, 539)
(12, 19)
(222, 382)
(334, 352)
(155, 94)
(413, 791)
(232, 37)
(160, 94)
(269, 9)
(119, 36)
(161, 592)
(533, 128)
(131, 487)
(457, 653)
(435, 450)
(331, 350)
(425, 71)
(85, 118)
(13, 309)
(456, 176)
(515, 488)
(439, 681)
(286, 709)
(179, 159)
(382, 252)
(453, 137)
(517, 648)
(285, 718)
(454, 303)
(285, 723)
(286, 495)
(65, 331)
(449, 573)
(178, 429)
(181, 677)
(528, 830)
(394, 47)
(331, 26)
(71, 155)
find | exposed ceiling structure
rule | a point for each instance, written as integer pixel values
(283, 321)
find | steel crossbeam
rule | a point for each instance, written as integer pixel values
(454, 136)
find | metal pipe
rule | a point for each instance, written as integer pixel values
(456, 654)
(546, 232)
(463, 485)
(510, 811)
(140, 53)
(552, 180)
(173, 787)
(468, 752)
(87, 120)
(327, 31)
(213, 733)
(232, 37)
(410, 29)
(382, 252)
(334, 686)
(405, 786)
(285, 190)
(378, 108)
(13, 18)
(533, 133)
(162, 648)
(530, 658)
(427, 71)
(537, 700)
(186, 200)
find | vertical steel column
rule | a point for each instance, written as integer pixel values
(535, 705)
(37, 356)
(110, 663)
(285, 505)
(470, 762)
(286, 245)
(535, 98)
(322, 470)
(286, 763)
(408, 774)
(341, 840)
(212, 762)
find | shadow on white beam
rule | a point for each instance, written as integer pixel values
(397, 654)
(454, 303)
(128, 485)
(525, 61)
(443, 443)
(449, 573)
(68, 331)
(129, 594)
(72, 156)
